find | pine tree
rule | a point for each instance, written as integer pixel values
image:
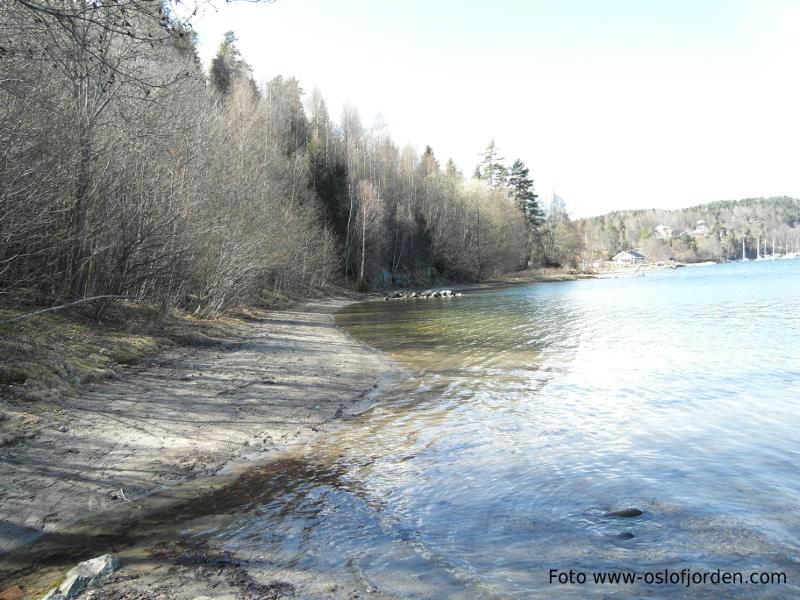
(228, 65)
(522, 191)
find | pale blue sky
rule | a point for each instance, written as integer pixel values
(615, 104)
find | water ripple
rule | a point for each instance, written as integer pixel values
(533, 411)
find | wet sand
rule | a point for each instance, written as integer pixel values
(189, 415)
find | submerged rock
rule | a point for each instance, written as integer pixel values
(83, 576)
(625, 535)
(625, 513)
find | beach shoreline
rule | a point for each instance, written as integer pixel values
(264, 394)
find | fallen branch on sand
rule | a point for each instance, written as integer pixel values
(52, 308)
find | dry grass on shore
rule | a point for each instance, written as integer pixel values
(52, 355)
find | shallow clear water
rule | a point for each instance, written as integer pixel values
(530, 412)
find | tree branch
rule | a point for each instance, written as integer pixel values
(52, 308)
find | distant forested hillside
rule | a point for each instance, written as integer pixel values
(706, 232)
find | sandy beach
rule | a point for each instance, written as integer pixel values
(187, 415)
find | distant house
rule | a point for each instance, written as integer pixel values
(629, 257)
(663, 232)
(701, 228)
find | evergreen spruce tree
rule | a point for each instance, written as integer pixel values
(522, 191)
(228, 65)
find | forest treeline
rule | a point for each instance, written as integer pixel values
(128, 170)
(720, 230)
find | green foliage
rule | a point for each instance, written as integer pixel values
(329, 181)
(521, 186)
(228, 65)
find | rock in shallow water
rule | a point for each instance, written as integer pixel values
(83, 576)
(625, 513)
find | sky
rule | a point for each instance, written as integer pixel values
(613, 104)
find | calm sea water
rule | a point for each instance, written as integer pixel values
(528, 413)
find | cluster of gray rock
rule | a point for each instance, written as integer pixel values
(87, 574)
(404, 295)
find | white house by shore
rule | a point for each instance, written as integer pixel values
(629, 257)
